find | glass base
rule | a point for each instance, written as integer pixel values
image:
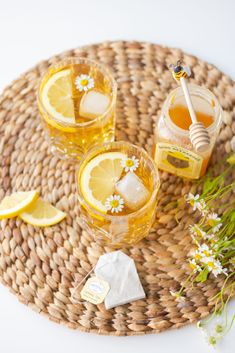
(70, 151)
(64, 155)
(106, 239)
(73, 153)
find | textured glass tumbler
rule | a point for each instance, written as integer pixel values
(70, 137)
(126, 228)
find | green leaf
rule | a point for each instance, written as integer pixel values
(212, 185)
(233, 216)
(207, 185)
(202, 276)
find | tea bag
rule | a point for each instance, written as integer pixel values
(119, 271)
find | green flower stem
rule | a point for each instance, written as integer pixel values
(215, 246)
(185, 282)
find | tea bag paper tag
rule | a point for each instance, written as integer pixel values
(120, 272)
(95, 290)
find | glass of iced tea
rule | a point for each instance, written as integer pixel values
(117, 190)
(77, 99)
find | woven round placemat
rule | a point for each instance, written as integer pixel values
(42, 266)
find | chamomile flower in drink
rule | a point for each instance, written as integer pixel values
(117, 190)
(77, 100)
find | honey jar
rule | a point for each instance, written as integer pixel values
(173, 151)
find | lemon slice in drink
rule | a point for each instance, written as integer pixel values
(42, 214)
(17, 202)
(56, 96)
(98, 178)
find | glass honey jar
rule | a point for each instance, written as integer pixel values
(173, 150)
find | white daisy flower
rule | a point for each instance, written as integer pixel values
(213, 220)
(197, 204)
(204, 247)
(202, 253)
(130, 164)
(197, 255)
(195, 230)
(114, 203)
(193, 200)
(213, 217)
(194, 266)
(205, 250)
(84, 82)
(214, 266)
(201, 206)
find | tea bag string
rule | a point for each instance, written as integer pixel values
(79, 283)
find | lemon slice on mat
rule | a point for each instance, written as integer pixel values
(99, 177)
(42, 214)
(17, 202)
(56, 96)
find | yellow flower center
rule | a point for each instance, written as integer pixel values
(193, 266)
(114, 203)
(84, 82)
(212, 222)
(129, 163)
(197, 256)
(211, 264)
(206, 253)
(198, 232)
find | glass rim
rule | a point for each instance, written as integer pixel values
(156, 180)
(77, 60)
(192, 87)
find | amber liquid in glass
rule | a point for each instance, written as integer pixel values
(73, 140)
(130, 227)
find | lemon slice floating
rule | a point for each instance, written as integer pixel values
(42, 214)
(56, 96)
(99, 177)
(17, 202)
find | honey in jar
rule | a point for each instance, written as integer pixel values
(173, 150)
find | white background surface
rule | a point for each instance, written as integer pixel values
(35, 30)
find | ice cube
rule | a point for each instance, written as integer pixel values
(132, 190)
(93, 104)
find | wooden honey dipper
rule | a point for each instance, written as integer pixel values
(197, 132)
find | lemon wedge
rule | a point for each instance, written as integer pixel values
(42, 214)
(56, 96)
(17, 202)
(98, 178)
